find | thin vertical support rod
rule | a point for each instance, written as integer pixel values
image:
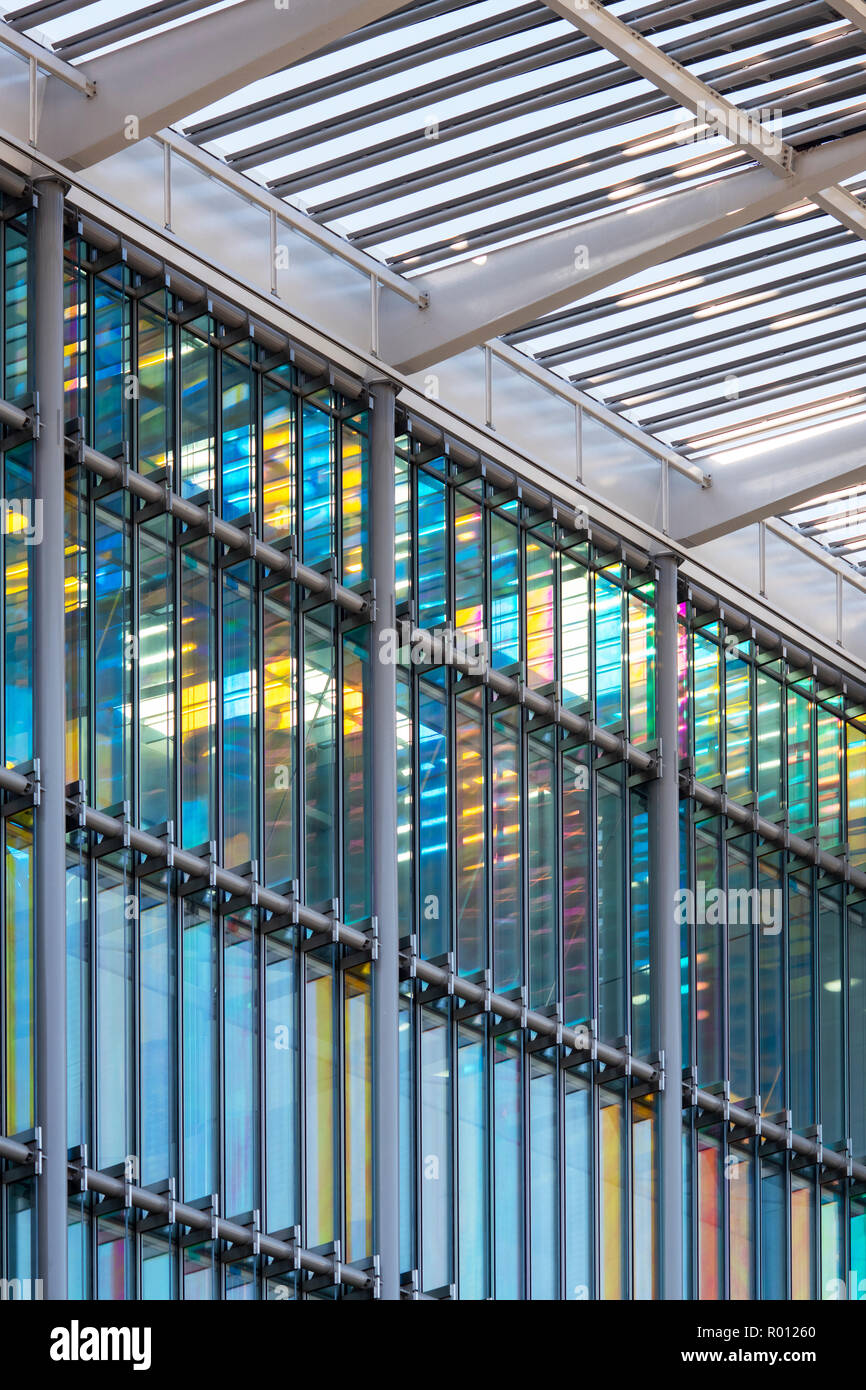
(383, 828)
(49, 707)
(664, 805)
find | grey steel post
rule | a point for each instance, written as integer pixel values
(49, 684)
(664, 805)
(383, 825)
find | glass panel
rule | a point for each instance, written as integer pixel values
(644, 1200)
(578, 1188)
(608, 651)
(711, 1269)
(356, 768)
(540, 628)
(504, 592)
(707, 677)
(611, 905)
(739, 1170)
(200, 1057)
(433, 823)
(358, 1023)
(614, 1268)
(469, 848)
(355, 505)
(738, 727)
(641, 986)
(574, 584)
(435, 1152)
(505, 834)
(281, 1080)
(473, 1216)
(801, 1002)
(240, 1063)
(318, 485)
(641, 670)
(319, 764)
(279, 772)
(116, 910)
(543, 1186)
(321, 1097)
(508, 1166)
(542, 877)
(20, 998)
(239, 709)
(432, 552)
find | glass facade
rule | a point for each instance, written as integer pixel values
(220, 706)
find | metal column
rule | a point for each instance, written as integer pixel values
(383, 824)
(666, 931)
(49, 684)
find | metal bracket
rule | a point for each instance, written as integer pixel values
(158, 1221)
(13, 802)
(208, 852)
(277, 1268)
(772, 1146)
(431, 993)
(333, 1252)
(77, 1168)
(540, 1042)
(163, 478)
(281, 921)
(578, 1056)
(510, 1025)
(641, 1086)
(252, 1222)
(156, 864)
(469, 1009)
(32, 1168)
(365, 954)
(117, 843)
(30, 430)
(194, 1235)
(329, 936)
(742, 1133)
(707, 1118)
(249, 872)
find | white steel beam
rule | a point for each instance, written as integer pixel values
(159, 79)
(769, 479)
(476, 299)
(643, 57)
(712, 111)
(852, 10)
(45, 60)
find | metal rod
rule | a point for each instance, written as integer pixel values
(49, 719)
(808, 850)
(667, 999)
(11, 1149)
(232, 536)
(383, 812)
(49, 62)
(578, 1039)
(159, 1204)
(443, 653)
(155, 848)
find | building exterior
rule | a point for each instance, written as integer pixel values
(427, 872)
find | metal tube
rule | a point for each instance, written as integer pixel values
(383, 822)
(807, 850)
(191, 514)
(49, 685)
(441, 652)
(667, 1020)
(198, 1220)
(197, 867)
